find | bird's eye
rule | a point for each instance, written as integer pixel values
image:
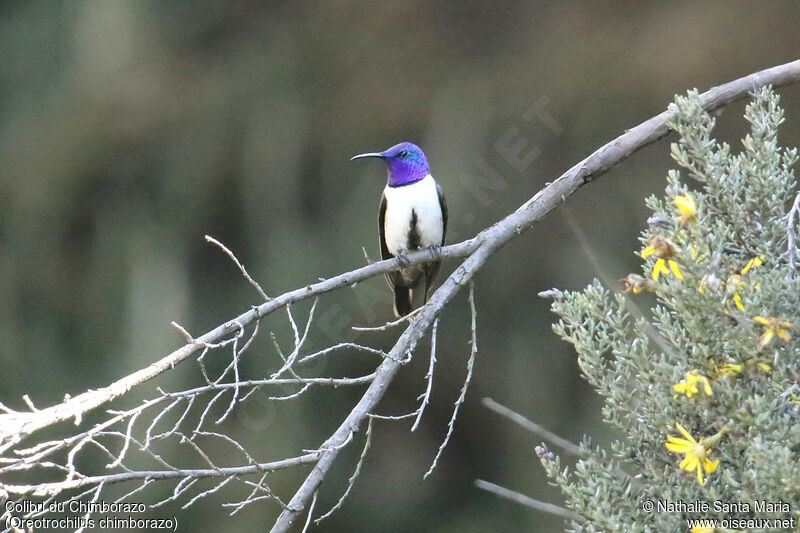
(403, 153)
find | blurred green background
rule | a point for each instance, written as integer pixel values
(130, 129)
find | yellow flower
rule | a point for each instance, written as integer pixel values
(696, 453)
(664, 251)
(736, 283)
(688, 386)
(661, 268)
(773, 326)
(702, 529)
(729, 369)
(753, 263)
(685, 204)
(738, 301)
(634, 283)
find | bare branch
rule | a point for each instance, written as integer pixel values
(531, 426)
(16, 425)
(43, 489)
(293, 395)
(528, 501)
(394, 417)
(341, 346)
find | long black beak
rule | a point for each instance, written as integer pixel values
(369, 154)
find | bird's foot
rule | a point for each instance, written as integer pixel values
(402, 259)
(435, 250)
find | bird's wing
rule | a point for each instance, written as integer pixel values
(443, 205)
(385, 254)
(381, 228)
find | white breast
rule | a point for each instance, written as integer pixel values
(421, 197)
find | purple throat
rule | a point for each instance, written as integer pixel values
(406, 172)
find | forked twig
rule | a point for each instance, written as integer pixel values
(461, 397)
(352, 480)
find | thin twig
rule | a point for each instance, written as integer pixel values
(389, 325)
(298, 340)
(428, 377)
(205, 493)
(243, 270)
(461, 397)
(367, 258)
(252, 497)
(393, 417)
(531, 426)
(310, 512)
(352, 480)
(342, 346)
(528, 501)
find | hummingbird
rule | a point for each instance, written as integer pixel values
(412, 216)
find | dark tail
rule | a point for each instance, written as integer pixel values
(402, 301)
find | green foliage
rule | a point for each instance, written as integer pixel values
(725, 312)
